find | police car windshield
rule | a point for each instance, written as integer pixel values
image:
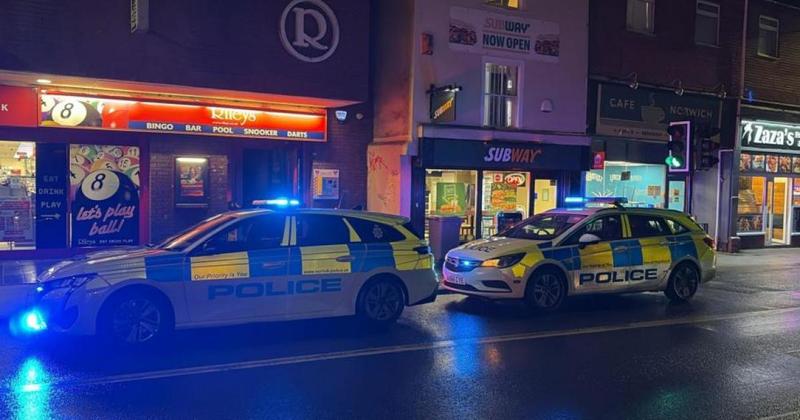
(182, 240)
(543, 226)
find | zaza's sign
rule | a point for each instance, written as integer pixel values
(309, 30)
(756, 135)
(115, 114)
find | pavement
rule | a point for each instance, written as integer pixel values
(733, 352)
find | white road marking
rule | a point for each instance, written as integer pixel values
(792, 415)
(375, 351)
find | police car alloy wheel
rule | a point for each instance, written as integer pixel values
(136, 318)
(381, 302)
(683, 283)
(545, 290)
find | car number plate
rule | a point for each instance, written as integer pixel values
(456, 279)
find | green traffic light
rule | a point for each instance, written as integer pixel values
(674, 161)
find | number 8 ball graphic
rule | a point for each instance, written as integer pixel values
(105, 184)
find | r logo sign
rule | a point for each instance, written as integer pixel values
(309, 30)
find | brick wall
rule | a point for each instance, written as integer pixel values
(345, 150)
(670, 53)
(767, 79)
(165, 218)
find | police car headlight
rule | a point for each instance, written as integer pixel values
(71, 282)
(504, 261)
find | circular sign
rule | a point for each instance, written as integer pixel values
(309, 30)
(100, 185)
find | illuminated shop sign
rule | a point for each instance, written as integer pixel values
(756, 135)
(116, 114)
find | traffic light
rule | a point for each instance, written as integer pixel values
(678, 147)
(706, 153)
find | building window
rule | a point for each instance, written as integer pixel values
(641, 15)
(500, 96)
(706, 23)
(452, 193)
(768, 37)
(751, 204)
(508, 4)
(17, 195)
(503, 192)
(641, 184)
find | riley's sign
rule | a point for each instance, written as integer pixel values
(309, 30)
(757, 135)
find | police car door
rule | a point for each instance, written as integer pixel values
(240, 272)
(649, 249)
(592, 265)
(321, 266)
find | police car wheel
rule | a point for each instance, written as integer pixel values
(136, 318)
(381, 301)
(683, 283)
(545, 290)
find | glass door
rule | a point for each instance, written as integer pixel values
(777, 191)
(505, 200)
(545, 195)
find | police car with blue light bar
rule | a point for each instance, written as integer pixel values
(239, 267)
(596, 247)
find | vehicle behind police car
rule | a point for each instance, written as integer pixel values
(241, 267)
(566, 252)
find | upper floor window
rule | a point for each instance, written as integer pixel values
(500, 95)
(508, 4)
(768, 36)
(641, 15)
(706, 23)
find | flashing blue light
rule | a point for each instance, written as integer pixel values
(278, 202)
(574, 200)
(33, 322)
(39, 289)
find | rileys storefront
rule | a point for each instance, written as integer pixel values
(476, 180)
(79, 172)
(768, 205)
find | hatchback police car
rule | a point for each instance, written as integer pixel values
(241, 267)
(566, 252)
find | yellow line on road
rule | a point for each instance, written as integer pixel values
(434, 345)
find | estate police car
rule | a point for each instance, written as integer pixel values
(567, 252)
(240, 267)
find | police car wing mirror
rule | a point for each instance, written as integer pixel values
(588, 239)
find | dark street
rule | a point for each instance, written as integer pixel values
(733, 352)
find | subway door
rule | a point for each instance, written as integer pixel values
(322, 271)
(240, 273)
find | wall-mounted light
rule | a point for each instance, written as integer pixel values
(44, 81)
(721, 91)
(341, 115)
(633, 80)
(678, 87)
(547, 106)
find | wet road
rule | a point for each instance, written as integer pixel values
(734, 352)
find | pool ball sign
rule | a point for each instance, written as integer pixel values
(116, 114)
(106, 210)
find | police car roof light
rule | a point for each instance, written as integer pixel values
(277, 202)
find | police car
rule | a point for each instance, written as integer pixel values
(565, 252)
(240, 267)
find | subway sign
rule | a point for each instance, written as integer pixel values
(116, 114)
(768, 136)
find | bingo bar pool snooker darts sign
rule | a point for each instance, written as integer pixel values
(117, 114)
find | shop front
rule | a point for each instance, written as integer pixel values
(490, 185)
(81, 172)
(629, 145)
(768, 208)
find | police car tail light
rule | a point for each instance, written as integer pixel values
(504, 261)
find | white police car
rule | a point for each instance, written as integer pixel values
(566, 252)
(241, 267)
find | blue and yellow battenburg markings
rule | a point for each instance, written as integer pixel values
(614, 254)
(287, 261)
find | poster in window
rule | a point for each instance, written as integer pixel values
(451, 198)
(796, 165)
(758, 162)
(191, 181)
(104, 186)
(746, 162)
(785, 164)
(503, 196)
(772, 163)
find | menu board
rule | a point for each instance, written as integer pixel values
(191, 182)
(769, 163)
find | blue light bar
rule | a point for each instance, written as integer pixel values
(574, 200)
(278, 202)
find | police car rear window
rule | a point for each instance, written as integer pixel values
(643, 226)
(677, 227)
(371, 232)
(321, 229)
